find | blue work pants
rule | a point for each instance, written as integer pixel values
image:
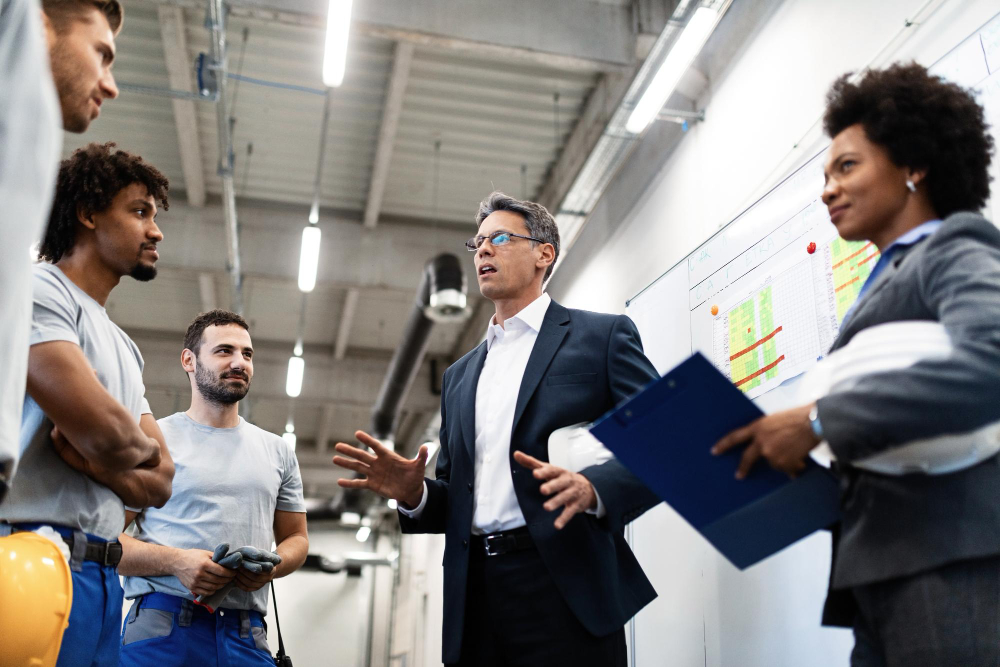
(170, 631)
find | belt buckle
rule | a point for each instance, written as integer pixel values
(112, 554)
(488, 541)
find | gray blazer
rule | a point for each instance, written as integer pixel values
(899, 526)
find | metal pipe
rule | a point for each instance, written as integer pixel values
(317, 182)
(165, 92)
(225, 165)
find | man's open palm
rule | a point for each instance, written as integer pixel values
(383, 471)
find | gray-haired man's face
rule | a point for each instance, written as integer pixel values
(508, 271)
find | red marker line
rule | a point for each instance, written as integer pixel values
(761, 371)
(849, 282)
(868, 258)
(853, 255)
(755, 345)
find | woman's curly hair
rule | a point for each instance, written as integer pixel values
(88, 180)
(924, 122)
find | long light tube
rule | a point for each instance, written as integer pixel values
(296, 371)
(678, 60)
(309, 257)
(363, 533)
(338, 25)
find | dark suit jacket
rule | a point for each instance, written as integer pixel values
(899, 526)
(582, 365)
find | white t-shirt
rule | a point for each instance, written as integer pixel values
(46, 489)
(30, 144)
(228, 482)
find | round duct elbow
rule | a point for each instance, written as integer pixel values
(447, 287)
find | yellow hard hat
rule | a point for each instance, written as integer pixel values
(36, 594)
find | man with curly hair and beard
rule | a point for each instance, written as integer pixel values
(88, 440)
(916, 559)
(236, 484)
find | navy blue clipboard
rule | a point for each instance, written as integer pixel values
(664, 434)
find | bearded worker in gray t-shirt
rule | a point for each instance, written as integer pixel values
(88, 442)
(235, 484)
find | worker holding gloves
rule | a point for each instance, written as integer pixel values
(198, 603)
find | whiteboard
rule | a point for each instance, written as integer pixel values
(763, 298)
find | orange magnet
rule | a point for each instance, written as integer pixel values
(715, 310)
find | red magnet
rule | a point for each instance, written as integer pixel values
(811, 248)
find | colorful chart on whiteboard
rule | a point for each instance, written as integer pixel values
(765, 296)
(780, 327)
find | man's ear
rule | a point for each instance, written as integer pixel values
(547, 256)
(187, 360)
(84, 217)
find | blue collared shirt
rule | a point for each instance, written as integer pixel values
(912, 237)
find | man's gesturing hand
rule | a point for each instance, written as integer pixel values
(574, 492)
(783, 439)
(198, 573)
(385, 472)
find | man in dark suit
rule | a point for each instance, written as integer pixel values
(536, 568)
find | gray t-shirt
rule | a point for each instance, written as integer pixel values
(227, 485)
(30, 143)
(46, 489)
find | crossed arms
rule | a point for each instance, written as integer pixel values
(96, 434)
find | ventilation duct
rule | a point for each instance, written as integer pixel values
(441, 297)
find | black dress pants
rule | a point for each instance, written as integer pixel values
(516, 617)
(949, 616)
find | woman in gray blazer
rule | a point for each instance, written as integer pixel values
(916, 563)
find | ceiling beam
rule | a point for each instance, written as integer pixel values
(391, 111)
(346, 321)
(271, 239)
(325, 428)
(206, 289)
(581, 36)
(185, 117)
(600, 107)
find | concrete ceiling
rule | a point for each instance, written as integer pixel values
(443, 101)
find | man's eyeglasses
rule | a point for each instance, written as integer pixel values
(496, 239)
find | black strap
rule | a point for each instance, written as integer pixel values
(277, 624)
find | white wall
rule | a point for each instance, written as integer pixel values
(757, 109)
(324, 617)
(763, 110)
(762, 119)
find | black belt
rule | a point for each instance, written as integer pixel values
(108, 554)
(497, 544)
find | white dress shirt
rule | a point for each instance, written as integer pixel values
(495, 507)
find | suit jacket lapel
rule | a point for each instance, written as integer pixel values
(555, 326)
(468, 399)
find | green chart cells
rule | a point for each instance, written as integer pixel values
(852, 262)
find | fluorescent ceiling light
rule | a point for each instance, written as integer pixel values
(289, 438)
(314, 212)
(363, 533)
(392, 503)
(678, 60)
(289, 426)
(309, 258)
(296, 370)
(338, 25)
